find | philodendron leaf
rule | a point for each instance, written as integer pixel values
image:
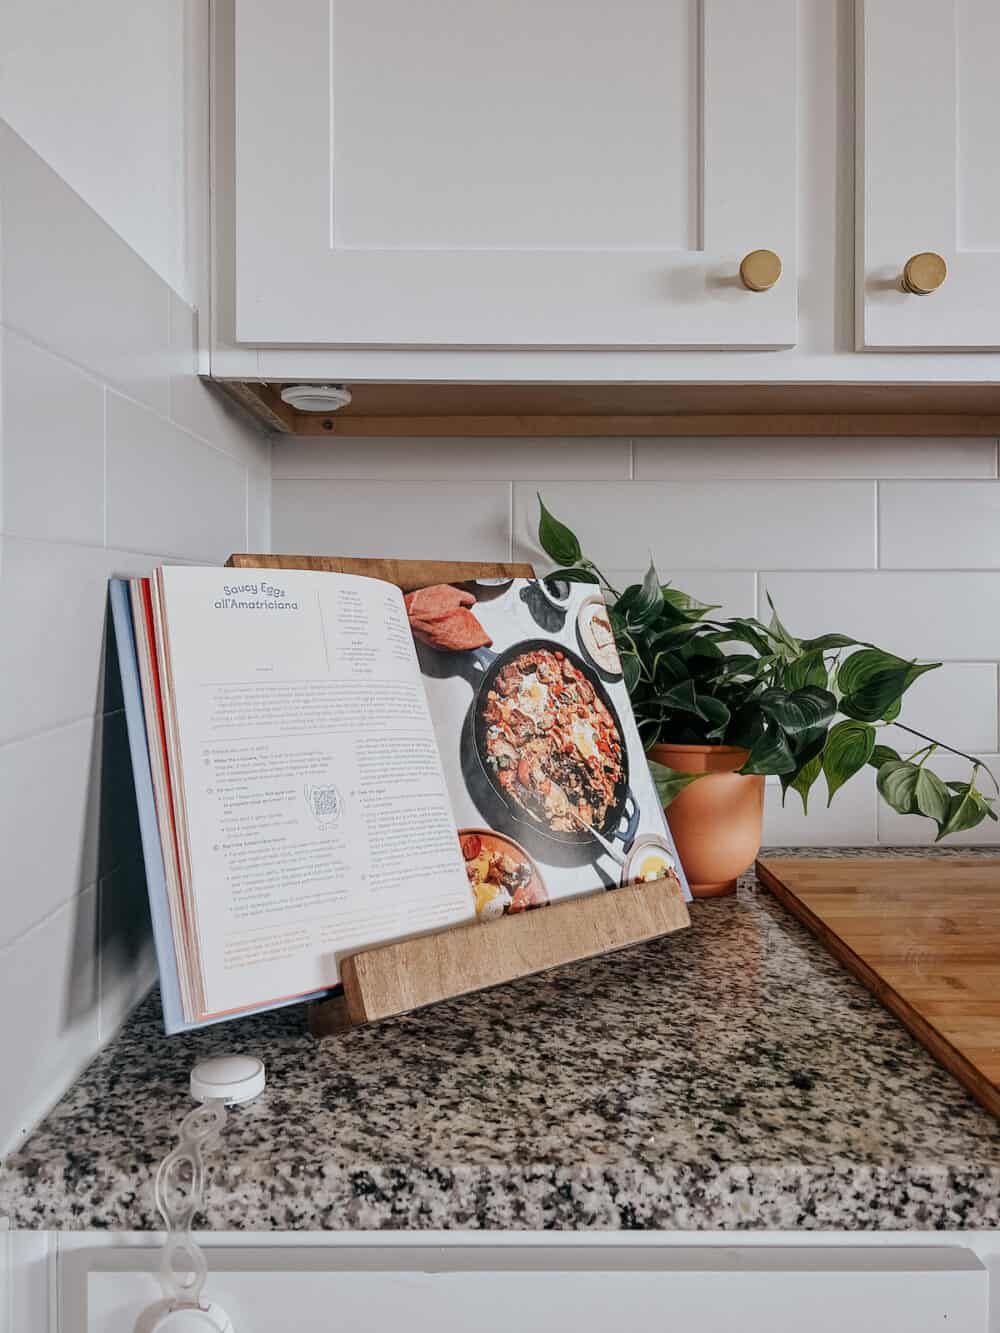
(770, 753)
(630, 669)
(789, 646)
(573, 575)
(882, 754)
(669, 781)
(684, 602)
(826, 642)
(556, 540)
(966, 808)
(848, 748)
(872, 682)
(897, 781)
(802, 781)
(809, 669)
(798, 710)
(933, 798)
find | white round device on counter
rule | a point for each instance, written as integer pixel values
(228, 1078)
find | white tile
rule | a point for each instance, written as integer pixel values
(708, 525)
(939, 525)
(732, 590)
(53, 609)
(697, 459)
(408, 520)
(49, 815)
(204, 409)
(53, 446)
(258, 512)
(850, 820)
(168, 492)
(452, 459)
(70, 283)
(899, 830)
(48, 1013)
(125, 945)
(957, 704)
(932, 615)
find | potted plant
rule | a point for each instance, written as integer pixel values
(722, 703)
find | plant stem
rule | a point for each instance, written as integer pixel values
(940, 744)
(607, 585)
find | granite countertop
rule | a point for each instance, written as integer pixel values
(729, 1077)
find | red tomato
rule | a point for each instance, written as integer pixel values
(471, 847)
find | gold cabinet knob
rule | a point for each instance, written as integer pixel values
(924, 273)
(760, 270)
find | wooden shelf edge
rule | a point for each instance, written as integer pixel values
(637, 411)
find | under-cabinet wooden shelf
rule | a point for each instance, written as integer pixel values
(511, 410)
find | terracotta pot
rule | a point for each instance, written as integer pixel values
(717, 822)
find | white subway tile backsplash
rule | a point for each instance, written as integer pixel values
(422, 520)
(53, 447)
(204, 409)
(936, 615)
(167, 492)
(72, 285)
(49, 822)
(709, 525)
(957, 704)
(452, 459)
(700, 459)
(732, 590)
(258, 511)
(53, 603)
(899, 830)
(49, 1009)
(939, 525)
(850, 819)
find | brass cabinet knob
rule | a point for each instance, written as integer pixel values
(760, 270)
(924, 273)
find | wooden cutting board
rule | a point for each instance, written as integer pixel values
(924, 937)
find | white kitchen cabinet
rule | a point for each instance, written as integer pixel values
(538, 1286)
(504, 174)
(929, 171)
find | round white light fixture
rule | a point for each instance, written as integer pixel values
(316, 397)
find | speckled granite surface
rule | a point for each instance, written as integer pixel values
(731, 1077)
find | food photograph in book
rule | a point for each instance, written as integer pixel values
(546, 772)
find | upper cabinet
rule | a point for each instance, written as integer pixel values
(928, 174)
(565, 174)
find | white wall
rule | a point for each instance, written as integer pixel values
(897, 541)
(113, 456)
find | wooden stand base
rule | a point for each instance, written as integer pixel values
(409, 974)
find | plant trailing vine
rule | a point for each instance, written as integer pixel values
(800, 707)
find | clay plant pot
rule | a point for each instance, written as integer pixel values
(717, 822)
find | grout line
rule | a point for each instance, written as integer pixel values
(631, 460)
(878, 525)
(104, 454)
(71, 901)
(510, 523)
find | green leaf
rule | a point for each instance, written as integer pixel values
(932, 797)
(809, 669)
(803, 780)
(556, 539)
(684, 602)
(882, 754)
(572, 575)
(848, 748)
(790, 646)
(872, 681)
(770, 753)
(798, 710)
(966, 809)
(826, 642)
(740, 630)
(893, 711)
(631, 669)
(669, 781)
(897, 781)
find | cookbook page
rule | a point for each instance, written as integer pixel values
(545, 767)
(315, 812)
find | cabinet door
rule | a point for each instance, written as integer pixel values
(522, 173)
(543, 1287)
(929, 171)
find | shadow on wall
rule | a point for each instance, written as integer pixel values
(109, 966)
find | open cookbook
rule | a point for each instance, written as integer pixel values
(323, 764)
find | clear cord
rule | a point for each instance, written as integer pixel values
(180, 1185)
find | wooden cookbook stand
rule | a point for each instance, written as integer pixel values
(396, 978)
